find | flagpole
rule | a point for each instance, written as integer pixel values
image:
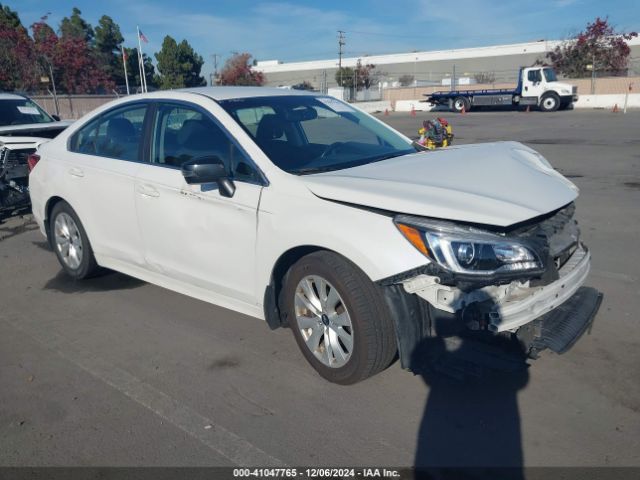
(140, 73)
(124, 64)
(143, 80)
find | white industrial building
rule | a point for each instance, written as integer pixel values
(500, 62)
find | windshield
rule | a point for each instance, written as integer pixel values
(305, 134)
(21, 112)
(550, 75)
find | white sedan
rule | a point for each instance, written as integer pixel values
(302, 210)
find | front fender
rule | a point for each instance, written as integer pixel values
(366, 238)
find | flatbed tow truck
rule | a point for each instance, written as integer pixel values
(537, 87)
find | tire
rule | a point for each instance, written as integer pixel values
(550, 102)
(70, 242)
(351, 334)
(459, 103)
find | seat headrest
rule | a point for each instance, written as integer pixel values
(192, 130)
(120, 129)
(271, 126)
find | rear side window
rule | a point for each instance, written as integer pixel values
(115, 134)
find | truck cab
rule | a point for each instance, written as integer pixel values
(539, 86)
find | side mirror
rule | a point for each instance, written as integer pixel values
(55, 117)
(210, 169)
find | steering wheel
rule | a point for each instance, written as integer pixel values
(333, 148)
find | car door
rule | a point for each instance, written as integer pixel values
(192, 233)
(533, 83)
(100, 170)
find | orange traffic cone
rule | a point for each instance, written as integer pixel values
(413, 111)
(615, 108)
(463, 111)
(386, 112)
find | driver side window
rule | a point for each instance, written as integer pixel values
(182, 134)
(534, 76)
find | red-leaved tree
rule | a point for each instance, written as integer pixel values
(238, 70)
(79, 71)
(598, 45)
(17, 68)
(74, 63)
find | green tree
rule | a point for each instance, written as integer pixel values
(344, 77)
(179, 65)
(76, 27)
(9, 18)
(133, 72)
(108, 40)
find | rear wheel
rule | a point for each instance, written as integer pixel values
(550, 102)
(70, 242)
(460, 103)
(338, 317)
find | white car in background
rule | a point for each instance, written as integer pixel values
(23, 126)
(302, 210)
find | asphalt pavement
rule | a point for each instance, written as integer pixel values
(115, 371)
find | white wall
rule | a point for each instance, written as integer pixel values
(607, 101)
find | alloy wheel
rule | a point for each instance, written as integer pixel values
(323, 321)
(68, 241)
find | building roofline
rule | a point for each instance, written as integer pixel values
(541, 46)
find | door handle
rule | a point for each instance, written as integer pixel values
(147, 191)
(76, 172)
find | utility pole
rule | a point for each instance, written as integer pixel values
(341, 43)
(214, 56)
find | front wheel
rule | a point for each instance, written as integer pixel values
(550, 102)
(338, 317)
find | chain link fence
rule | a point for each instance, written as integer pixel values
(411, 81)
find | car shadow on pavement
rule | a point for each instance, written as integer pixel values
(12, 226)
(107, 281)
(471, 425)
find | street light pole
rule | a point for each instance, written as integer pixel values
(53, 86)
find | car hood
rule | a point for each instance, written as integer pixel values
(499, 184)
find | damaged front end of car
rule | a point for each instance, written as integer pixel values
(14, 176)
(17, 143)
(524, 281)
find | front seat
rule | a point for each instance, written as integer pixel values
(271, 138)
(122, 141)
(197, 140)
(271, 127)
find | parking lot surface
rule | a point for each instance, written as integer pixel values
(114, 371)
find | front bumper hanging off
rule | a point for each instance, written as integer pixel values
(552, 316)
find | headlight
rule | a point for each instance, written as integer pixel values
(565, 91)
(465, 249)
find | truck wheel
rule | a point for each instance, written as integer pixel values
(550, 102)
(338, 317)
(70, 242)
(459, 103)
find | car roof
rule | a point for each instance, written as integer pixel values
(11, 96)
(227, 93)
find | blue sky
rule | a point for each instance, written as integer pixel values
(305, 30)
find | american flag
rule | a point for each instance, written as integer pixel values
(142, 37)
